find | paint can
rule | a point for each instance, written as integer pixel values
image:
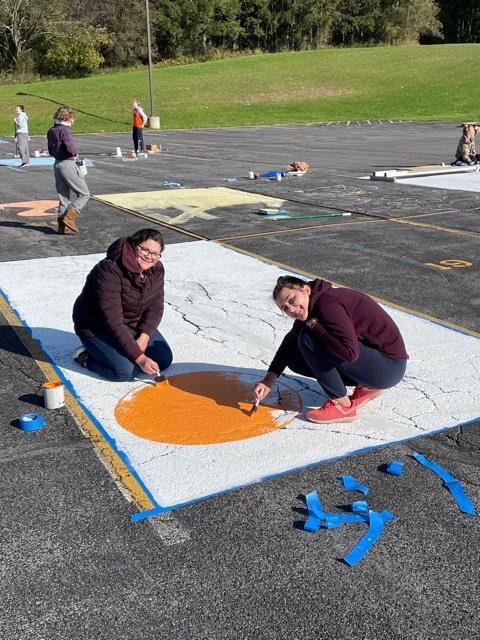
(251, 175)
(279, 176)
(36, 153)
(53, 394)
(119, 152)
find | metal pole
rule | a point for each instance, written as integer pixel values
(150, 74)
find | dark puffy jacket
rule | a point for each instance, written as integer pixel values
(60, 142)
(119, 302)
(345, 317)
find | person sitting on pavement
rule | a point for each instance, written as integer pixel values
(466, 153)
(340, 337)
(118, 312)
(68, 178)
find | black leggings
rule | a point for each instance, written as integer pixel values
(372, 368)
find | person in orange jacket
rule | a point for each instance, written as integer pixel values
(139, 118)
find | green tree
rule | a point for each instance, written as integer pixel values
(73, 51)
(406, 21)
(22, 23)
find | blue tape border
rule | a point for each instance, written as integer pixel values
(158, 509)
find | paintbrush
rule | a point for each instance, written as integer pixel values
(255, 405)
(160, 379)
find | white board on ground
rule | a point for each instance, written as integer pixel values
(219, 315)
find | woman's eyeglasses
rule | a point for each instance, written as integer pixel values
(146, 253)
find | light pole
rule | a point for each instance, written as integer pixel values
(153, 120)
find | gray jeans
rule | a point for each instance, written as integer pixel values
(67, 180)
(22, 146)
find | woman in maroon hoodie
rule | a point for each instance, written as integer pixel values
(340, 337)
(121, 305)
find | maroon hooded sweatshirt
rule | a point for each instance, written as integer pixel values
(345, 318)
(118, 302)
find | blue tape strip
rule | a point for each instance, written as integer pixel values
(394, 467)
(313, 505)
(350, 484)
(453, 485)
(359, 506)
(332, 521)
(464, 503)
(315, 512)
(366, 542)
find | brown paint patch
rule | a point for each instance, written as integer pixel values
(205, 407)
(33, 208)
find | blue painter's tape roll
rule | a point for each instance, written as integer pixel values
(31, 422)
(394, 467)
(350, 484)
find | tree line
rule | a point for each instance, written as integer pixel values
(74, 38)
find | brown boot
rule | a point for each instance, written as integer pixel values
(61, 225)
(69, 220)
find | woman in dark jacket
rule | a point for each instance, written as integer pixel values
(121, 305)
(340, 337)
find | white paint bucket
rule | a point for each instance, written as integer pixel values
(251, 175)
(53, 394)
(279, 176)
(119, 152)
(36, 153)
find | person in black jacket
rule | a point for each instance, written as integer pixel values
(117, 314)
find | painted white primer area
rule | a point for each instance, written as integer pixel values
(219, 314)
(456, 181)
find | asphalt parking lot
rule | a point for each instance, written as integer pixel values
(239, 565)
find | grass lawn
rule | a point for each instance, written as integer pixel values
(409, 82)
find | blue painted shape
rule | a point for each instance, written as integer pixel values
(350, 484)
(359, 506)
(34, 162)
(3, 141)
(453, 485)
(366, 542)
(31, 422)
(269, 174)
(394, 467)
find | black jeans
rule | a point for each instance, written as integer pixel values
(137, 135)
(372, 368)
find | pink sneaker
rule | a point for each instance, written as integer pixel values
(362, 395)
(332, 411)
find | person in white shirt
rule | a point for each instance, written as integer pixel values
(21, 134)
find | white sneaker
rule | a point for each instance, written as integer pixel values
(80, 355)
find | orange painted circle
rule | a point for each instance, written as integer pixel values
(204, 407)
